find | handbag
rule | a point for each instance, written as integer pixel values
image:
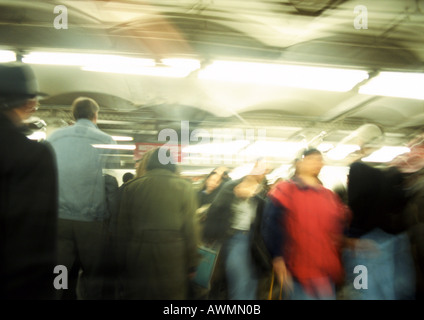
(206, 266)
(274, 294)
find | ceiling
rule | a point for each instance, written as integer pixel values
(312, 33)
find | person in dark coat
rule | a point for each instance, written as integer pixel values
(157, 234)
(411, 164)
(211, 185)
(28, 194)
(378, 200)
(228, 228)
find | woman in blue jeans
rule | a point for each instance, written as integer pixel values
(228, 222)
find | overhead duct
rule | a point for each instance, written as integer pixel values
(355, 141)
(365, 134)
(313, 7)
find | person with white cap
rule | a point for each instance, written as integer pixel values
(28, 193)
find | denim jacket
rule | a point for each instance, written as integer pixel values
(80, 170)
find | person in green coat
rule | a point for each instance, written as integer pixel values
(157, 234)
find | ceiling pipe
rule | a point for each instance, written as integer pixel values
(365, 134)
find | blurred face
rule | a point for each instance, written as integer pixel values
(26, 110)
(311, 165)
(95, 117)
(213, 182)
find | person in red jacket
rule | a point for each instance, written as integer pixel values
(303, 226)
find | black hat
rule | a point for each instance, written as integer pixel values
(17, 80)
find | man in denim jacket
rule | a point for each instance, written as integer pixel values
(82, 203)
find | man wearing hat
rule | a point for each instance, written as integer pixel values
(28, 193)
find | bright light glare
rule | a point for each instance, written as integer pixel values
(185, 64)
(330, 79)
(241, 171)
(122, 138)
(280, 172)
(273, 149)
(386, 154)
(7, 56)
(342, 151)
(334, 176)
(174, 68)
(147, 71)
(196, 173)
(396, 84)
(115, 146)
(37, 135)
(227, 148)
(86, 60)
(325, 146)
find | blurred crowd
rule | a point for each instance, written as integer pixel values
(149, 237)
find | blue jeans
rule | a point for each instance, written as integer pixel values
(389, 272)
(299, 293)
(242, 281)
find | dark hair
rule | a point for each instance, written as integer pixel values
(224, 177)
(84, 108)
(309, 151)
(127, 176)
(306, 152)
(155, 163)
(302, 154)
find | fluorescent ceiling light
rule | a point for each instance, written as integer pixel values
(86, 60)
(7, 56)
(386, 154)
(341, 151)
(227, 148)
(174, 68)
(396, 84)
(190, 64)
(122, 138)
(146, 71)
(331, 79)
(273, 149)
(115, 146)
